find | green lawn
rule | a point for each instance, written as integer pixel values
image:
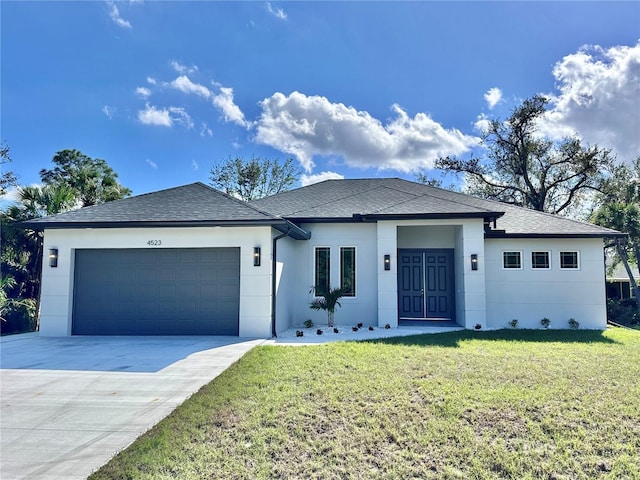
(507, 404)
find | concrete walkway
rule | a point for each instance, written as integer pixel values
(69, 404)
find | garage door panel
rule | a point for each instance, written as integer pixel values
(157, 292)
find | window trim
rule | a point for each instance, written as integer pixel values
(504, 267)
(578, 262)
(548, 252)
(315, 267)
(355, 269)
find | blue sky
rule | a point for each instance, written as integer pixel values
(164, 90)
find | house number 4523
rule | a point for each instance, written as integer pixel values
(154, 243)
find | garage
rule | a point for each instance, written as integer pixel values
(156, 291)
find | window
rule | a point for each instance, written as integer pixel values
(512, 260)
(348, 270)
(569, 261)
(322, 270)
(540, 260)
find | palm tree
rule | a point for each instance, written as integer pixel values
(328, 299)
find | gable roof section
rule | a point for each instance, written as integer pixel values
(190, 205)
(519, 222)
(394, 198)
(373, 198)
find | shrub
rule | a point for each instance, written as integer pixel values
(514, 323)
(574, 324)
(545, 322)
(308, 323)
(624, 312)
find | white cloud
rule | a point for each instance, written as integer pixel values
(152, 164)
(155, 116)
(178, 67)
(319, 177)
(305, 126)
(205, 131)
(181, 116)
(482, 123)
(114, 13)
(493, 97)
(185, 85)
(143, 92)
(230, 111)
(152, 81)
(599, 98)
(276, 12)
(164, 117)
(194, 165)
(108, 111)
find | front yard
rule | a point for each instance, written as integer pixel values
(507, 404)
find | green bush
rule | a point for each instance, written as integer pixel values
(19, 317)
(624, 312)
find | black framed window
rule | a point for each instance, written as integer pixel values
(322, 270)
(512, 260)
(569, 260)
(540, 260)
(348, 270)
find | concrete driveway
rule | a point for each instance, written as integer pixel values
(69, 404)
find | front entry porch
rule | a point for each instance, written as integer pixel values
(426, 286)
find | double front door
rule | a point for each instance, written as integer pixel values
(426, 284)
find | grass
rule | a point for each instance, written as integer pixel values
(468, 405)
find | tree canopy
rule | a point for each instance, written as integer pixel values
(7, 179)
(524, 168)
(620, 209)
(92, 179)
(255, 178)
(75, 180)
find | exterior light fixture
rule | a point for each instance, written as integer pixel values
(53, 257)
(256, 256)
(474, 261)
(387, 262)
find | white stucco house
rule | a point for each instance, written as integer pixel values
(192, 260)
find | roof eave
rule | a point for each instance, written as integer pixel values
(357, 218)
(489, 235)
(158, 224)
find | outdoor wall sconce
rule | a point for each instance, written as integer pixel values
(256, 256)
(387, 262)
(474, 261)
(53, 257)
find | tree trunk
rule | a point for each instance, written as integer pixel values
(330, 319)
(623, 255)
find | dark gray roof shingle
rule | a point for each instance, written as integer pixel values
(187, 204)
(372, 196)
(341, 199)
(331, 200)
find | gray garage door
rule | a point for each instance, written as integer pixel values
(192, 291)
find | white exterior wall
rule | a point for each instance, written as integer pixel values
(362, 307)
(529, 295)
(255, 282)
(287, 285)
(465, 236)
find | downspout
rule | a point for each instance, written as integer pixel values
(274, 264)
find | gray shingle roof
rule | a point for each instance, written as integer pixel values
(518, 221)
(194, 204)
(394, 197)
(333, 199)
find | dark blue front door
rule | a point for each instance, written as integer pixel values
(425, 284)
